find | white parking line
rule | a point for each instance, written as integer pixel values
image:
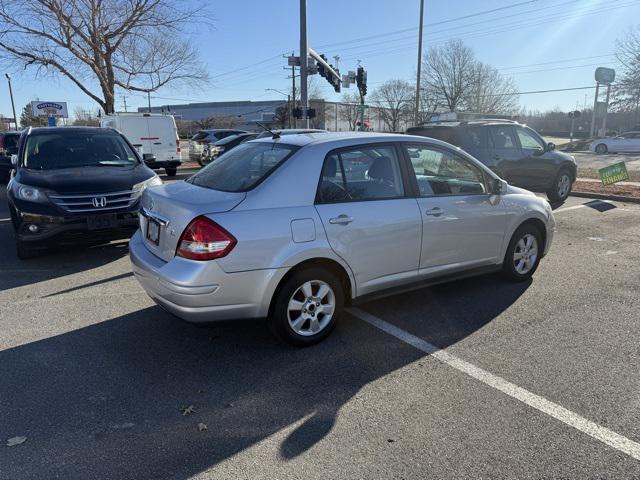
(541, 404)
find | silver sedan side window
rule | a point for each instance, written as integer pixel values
(440, 172)
(363, 173)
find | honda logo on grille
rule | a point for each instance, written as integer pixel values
(99, 202)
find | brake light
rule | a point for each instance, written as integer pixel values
(203, 239)
(177, 145)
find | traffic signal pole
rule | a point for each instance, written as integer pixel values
(304, 49)
(419, 66)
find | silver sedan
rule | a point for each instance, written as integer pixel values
(292, 229)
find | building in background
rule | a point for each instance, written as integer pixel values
(246, 114)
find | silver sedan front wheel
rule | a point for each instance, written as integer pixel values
(525, 254)
(311, 308)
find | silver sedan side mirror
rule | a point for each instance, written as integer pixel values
(499, 187)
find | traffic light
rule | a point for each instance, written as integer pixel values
(335, 81)
(321, 70)
(361, 81)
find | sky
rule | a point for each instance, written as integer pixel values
(540, 44)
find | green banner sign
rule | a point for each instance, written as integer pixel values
(614, 173)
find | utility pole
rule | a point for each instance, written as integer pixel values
(595, 105)
(419, 69)
(124, 99)
(13, 105)
(293, 89)
(304, 50)
(606, 111)
(149, 100)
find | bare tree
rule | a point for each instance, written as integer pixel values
(490, 92)
(281, 116)
(626, 92)
(130, 44)
(448, 73)
(455, 80)
(348, 111)
(393, 99)
(85, 117)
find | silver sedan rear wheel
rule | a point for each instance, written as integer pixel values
(311, 308)
(525, 254)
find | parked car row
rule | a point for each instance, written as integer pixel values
(206, 145)
(626, 143)
(290, 226)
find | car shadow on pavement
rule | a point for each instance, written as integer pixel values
(111, 400)
(54, 263)
(449, 312)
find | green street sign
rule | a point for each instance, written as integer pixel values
(362, 107)
(613, 173)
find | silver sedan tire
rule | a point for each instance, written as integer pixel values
(523, 253)
(306, 306)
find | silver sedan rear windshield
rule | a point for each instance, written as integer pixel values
(244, 167)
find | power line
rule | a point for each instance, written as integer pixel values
(538, 91)
(555, 61)
(494, 29)
(563, 68)
(404, 30)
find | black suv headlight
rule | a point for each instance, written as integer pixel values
(28, 193)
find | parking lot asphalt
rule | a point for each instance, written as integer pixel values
(100, 380)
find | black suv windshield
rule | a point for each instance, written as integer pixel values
(242, 168)
(51, 151)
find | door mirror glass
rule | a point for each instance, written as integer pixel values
(499, 187)
(14, 160)
(149, 157)
(551, 146)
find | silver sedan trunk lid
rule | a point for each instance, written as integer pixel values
(171, 207)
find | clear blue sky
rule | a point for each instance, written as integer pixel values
(542, 44)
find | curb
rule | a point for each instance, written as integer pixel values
(602, 196)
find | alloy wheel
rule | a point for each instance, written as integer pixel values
(525, 254)
(564, 185)
(311, 308)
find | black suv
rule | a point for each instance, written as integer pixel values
(8, 147)
(75, 184)
(514, 151)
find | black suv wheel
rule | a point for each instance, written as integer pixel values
(561, 188)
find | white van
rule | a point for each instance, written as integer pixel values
(155, 135)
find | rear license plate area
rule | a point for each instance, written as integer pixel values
(102, 222)
(153, 231)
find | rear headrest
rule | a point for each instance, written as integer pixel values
(331, 167)
(381, 169)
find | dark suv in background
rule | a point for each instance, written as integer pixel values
(514, 151)
(75, 184)
(8, 147)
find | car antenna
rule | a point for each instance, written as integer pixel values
(274, 135)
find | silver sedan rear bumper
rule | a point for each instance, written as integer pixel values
(201, 291)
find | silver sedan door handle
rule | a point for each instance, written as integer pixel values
(434, 212)
(341, 220)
